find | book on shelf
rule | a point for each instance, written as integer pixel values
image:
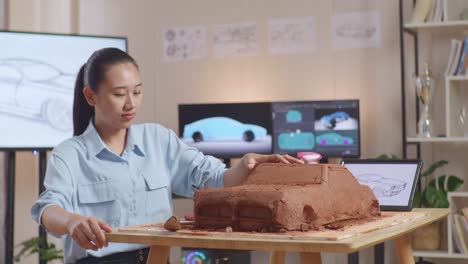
(422, 10)
(465, 213)
(461, 63)
(436, 13)
(460, 233)
(454, 57)
(439, 14)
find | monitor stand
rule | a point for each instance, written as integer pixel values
(227, 161)
(324, 160)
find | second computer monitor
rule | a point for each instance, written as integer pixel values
(226, 130)
(330, 128)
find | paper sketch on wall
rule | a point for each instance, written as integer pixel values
(292, 35)
(187, 43)
(233, 40)
(356, 30)
(36, 91)
(381, 186)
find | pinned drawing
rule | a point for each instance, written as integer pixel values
(292, 35)
(381, 186)
(356, 30)
(187, 43)
(37, 91)
(233, 40)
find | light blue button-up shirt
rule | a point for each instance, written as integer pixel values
(85, 177)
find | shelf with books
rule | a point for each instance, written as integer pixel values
(457, 223)
(438, 15)
(437, 140)
(457, 230)
(437, 26)
(456, 78)
(439, 254)
(432, 37)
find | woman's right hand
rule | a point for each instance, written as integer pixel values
(88, 232)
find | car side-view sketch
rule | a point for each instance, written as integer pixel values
(356, 31)
(329, 121)
(37, 91)
(381, 186)
(334, 139)
(293, 141)
(222, 128)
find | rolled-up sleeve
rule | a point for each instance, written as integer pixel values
(59, 188)
(190, 169)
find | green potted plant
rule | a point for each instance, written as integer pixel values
(431, 194)
(32, 246)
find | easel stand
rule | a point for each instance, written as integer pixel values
(42, 171)
(10, 204)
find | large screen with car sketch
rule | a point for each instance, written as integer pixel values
(226, 130)
(37, 77)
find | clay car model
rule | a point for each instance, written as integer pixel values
(222, 128)
(279, 197)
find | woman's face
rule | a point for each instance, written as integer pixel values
(118, 98)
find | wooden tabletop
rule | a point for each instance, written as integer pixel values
(347, 245)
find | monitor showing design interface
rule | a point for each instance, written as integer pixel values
(37, 78)
(226, 130)
(392, 181)
(330, 128)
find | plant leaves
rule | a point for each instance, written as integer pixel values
(434, 166)
(454, 183)
(435, 198)
(31, 246)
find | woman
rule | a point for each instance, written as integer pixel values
(113, 173)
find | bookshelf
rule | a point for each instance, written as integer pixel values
(436, 27)
(425, 37)
(437, 140)
(454, 206)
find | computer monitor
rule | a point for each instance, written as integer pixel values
(37, 78)
(330, 128)
(226, 130)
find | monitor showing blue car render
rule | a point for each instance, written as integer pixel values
(37, 78)
(330, 128)
(226, 130)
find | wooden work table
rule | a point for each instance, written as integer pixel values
(309, 249)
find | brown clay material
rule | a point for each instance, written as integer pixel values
(172, 224)
(287, 197)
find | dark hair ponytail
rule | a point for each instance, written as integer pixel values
(91, 74)
(82, 111)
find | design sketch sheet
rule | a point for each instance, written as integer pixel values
(292, 35)
(234, 40)
(180, 44)
(356, 30)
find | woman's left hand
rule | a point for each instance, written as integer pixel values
(250, 160)
(237, 174)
